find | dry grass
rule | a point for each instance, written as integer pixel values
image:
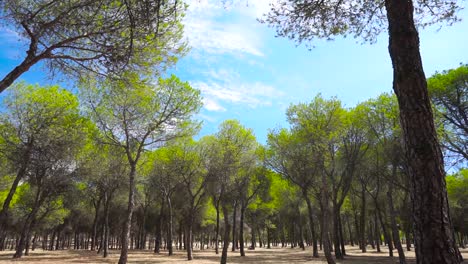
(274, 255)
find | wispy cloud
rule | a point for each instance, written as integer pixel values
(223, 87)
(207, 32)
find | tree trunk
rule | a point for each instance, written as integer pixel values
(241, 230)
(169, 226)
(342, 242)
(252, 236)
(158, 237)
(311, 224)
(384, 229)
(434, 242)
(376, 232)
(326, 222)
(105, 243)
(128, 221)
(217, 227)
(19, 175)
(363, 220)
(23, 67)
(234, 233)
(395, 232)
(188, 238)
(336, 231)
(97, 205)
(227, 230)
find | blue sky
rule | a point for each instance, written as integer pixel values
(245, 73)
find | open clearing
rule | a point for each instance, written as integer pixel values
(274, 255)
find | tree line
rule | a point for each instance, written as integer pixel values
(117, 167)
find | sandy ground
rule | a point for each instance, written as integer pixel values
(274, 255)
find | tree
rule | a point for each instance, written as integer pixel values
(35, 121)
(449, 94)
(135, 114)
(458, 197)
(236, 146)
(94, 36)
(306, 20)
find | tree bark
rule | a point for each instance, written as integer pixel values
(326, 221)
(336, 231)
(241, 231)
(169, 227)
(311, 224)
(363, 221)
(227, 231)
(434, 242)
(128, 221)
(217, 226)
(395, 232)
(188, 238)
(23, 67)
(234, 233)
(158, 237)
(97, 205)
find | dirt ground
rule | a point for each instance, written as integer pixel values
(274, 255)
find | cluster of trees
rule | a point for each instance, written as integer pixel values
(116, 167)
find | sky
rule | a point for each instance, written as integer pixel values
(244, 72)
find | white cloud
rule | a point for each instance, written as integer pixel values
(223, 86)
(207, 32)
(212, 105)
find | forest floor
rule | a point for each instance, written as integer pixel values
(260, 255)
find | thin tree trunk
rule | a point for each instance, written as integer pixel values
(311, 224)
(326, 221)
(434, 242)
(95, 223)
(376, 231)
(336, 231)
(188, 238)
(128, 221)
(234, 233)
(396, 236)
(227, 230)
(241, 230)
(363, 220)
(169, 227)
(217, 227)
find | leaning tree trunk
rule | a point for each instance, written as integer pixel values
(128, 221)
(311, 224)
(433, 234)
(97, 205)
(395, 232)
(19, 176)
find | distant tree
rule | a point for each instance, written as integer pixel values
(94, 36)
(457, 187)
(449, 94)
(236, 153)
(306, 20)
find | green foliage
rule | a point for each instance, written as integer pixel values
(457, 189)
(449, 95)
